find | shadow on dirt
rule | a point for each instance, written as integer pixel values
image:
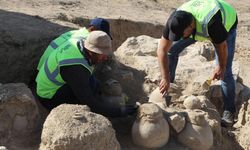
(23, 40)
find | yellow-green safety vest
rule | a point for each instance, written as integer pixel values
(73, 34)
(204, 10)
(49, 79)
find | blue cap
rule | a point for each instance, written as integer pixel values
(101, 24)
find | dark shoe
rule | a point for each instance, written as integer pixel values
(227, 119)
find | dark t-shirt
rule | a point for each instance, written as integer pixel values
(77, 77)
(216, 29)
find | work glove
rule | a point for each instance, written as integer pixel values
(128, 110)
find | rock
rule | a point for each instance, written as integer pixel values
(176, 118)
(174, 91)
(236, 70)
(245, 93)
(140, 54)
(243, 126)
(215, 90)
(243, 136)
(26, 37)
(73, 127)
(138, 46)
(177, 122)
(207, 50)
(157, 98)
(197, 134)
(239, 87)
(244, 114)
(150, 129)
(241, 116)
(192, 102)
(3, 148)
(149, 64)
(216, 97)
(197, 86)
(19, 115)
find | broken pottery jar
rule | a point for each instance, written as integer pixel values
(112, 88)
(197, 134)
(112, 94)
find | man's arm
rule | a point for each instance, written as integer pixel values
(163, 64)
(221, 50)
(77, 77)
(218, 35)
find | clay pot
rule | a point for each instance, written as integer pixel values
(115, 101)
(197, 134)
(112, 88)
(150, 129)
(192, 102)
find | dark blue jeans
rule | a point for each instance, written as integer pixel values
(227, 84)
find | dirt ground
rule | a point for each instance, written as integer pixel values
(144, 12)
(63, 12)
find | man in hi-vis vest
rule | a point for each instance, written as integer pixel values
(82, 33)
(199, 20)
(66, 76)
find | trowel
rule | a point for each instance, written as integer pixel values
(167, 98)
(207, 83)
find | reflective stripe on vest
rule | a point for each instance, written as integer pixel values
(53, 45)
(49, 79)
(59, 42)
(62, 39)
(76, 34)
(206, 21)
(208, 17)
(52, 76)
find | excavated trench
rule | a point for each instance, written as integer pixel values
(24, 38)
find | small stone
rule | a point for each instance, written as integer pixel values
(3, 148)
(192, 102)
(177, 122)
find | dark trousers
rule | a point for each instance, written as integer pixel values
(227, 84)
(63, 95)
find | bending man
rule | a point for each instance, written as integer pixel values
(199, 20)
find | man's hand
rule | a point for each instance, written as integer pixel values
(164, 86)
(221, 50)
(162, 51)
(218, 73)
